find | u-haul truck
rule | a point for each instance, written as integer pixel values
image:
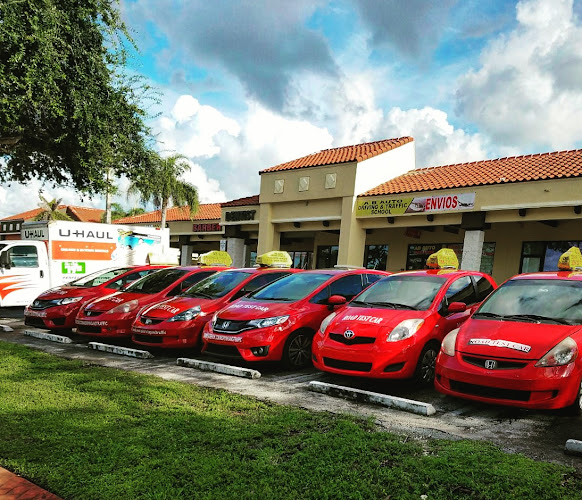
(52, 253)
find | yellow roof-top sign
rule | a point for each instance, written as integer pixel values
(571, 260)
(215, 258)
(275, 258)
(445, 258)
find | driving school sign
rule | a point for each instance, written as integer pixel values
(381, 206)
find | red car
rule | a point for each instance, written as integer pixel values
(521, 347)
(394, 328)
(178, 322)
(278, 322)
(113, 315)
(56, 308)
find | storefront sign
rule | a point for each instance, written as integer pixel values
(240, 215)
(206, 228)
(370, 207)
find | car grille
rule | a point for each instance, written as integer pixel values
(226, 351)
(88, 329)
(489, 392)
(91, 313)
(501, 364)
(38, 322)
(43, 304)
(353, 341)
(347, 365)
(150, 339)
(228, 326)
(146, 320)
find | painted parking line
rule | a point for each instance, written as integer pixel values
(409, 405)
(123, 351)
(208, 366)
(48, 336)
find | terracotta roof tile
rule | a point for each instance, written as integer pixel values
(358, 152)
(242, 202)
(85, 214)
(558, 164)
(24, 215)
(207, 211)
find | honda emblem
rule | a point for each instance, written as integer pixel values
(225, 324)
(490, 364)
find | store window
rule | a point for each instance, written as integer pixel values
(375, 257)
(543, 255)
(327, 256)
(417, 255)
(302, 260)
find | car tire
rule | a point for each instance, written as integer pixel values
(425, 367)
(575, 409)
(297, 350)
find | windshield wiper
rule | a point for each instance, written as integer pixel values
(537, 318)
(393, 305)
(199, 294)
(284, 299)
(489, 315)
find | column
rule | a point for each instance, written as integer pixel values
(472, 250)
(269, 237)
(352, 236)
(236, 249)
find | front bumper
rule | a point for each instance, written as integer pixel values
(105, 325)
(169, 334)
(52, 318)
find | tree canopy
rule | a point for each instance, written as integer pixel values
(162, 184)
(50, 209)
(67, 109)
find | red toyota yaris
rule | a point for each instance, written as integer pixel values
(521, 347)
(279, 321)
(57, 308)
(112, 316)
(178, 322)
(395, 327)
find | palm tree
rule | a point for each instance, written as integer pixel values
(162, 184)
(50, 209)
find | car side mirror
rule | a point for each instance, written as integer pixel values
(336, 300)
(456, 307)
(5, 260)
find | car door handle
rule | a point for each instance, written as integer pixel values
(41, 273)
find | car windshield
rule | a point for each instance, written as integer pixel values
(156, 282)
(99, 277)
(401, 292)
(217, 285)
(291, 288)
(552, 301)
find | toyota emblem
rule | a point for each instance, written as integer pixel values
(490, 364)
(348, 334)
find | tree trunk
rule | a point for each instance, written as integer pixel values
(108, 199)
(164, 209)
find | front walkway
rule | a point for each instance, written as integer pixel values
(13, 487)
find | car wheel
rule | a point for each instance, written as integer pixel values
(424, 373)
(297, 352)
(575, 409)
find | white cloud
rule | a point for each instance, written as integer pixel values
(527, 91)
(209, 190)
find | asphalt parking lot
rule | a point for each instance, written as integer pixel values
(537, 434)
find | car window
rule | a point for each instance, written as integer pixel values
(261, 280)
(217, 285)
(98, 277)
(292, 287)
(372, 278)
(128, 278)
(156, 282)
(484, 287)
(347, 286)
(23, 256)
(189, 281)
(461, 290)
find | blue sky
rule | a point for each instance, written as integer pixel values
(248, 84)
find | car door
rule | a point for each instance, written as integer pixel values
(459, 290)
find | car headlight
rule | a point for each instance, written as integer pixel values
(563, 353)
(405, 329)
(449, 342)
(186, 315)
(214, 318)
(266, 322)
(126, 307)
(325, 323)
(69, 300)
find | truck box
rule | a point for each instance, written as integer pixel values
(51, 253)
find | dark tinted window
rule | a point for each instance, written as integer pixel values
(291, 288)
(372, 278)
(461, 290)
(261, 280)
(217, 285)
(484, 287)
(129, 278)
(98, 277)
(190, 281)
(156, 282)
(347, 286)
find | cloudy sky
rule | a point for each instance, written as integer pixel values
(248, 84)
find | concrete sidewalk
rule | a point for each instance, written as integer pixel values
(13, 487)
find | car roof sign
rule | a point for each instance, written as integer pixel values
(445, 258)
(571, 260)
(275, 258)
(215, 258)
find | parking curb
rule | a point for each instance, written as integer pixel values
(48, 336)
(408, 405)
(6, 328)
(209, 366)
(123, 351)
(573, 447)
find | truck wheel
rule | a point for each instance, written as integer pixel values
(297, 350)
(424, 373)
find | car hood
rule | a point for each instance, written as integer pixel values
(245, 310)
(372, 322)
(168, 308)
(67, 291)
(510, 339)
(110, 301)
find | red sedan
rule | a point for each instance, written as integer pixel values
(521, 347)
(57, 308)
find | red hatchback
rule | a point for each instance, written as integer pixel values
(57, 308)
(178, 322)
(279, 321)
(394, 328)
(113, 315)
(521, 347)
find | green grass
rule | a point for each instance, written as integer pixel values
(88, 432)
